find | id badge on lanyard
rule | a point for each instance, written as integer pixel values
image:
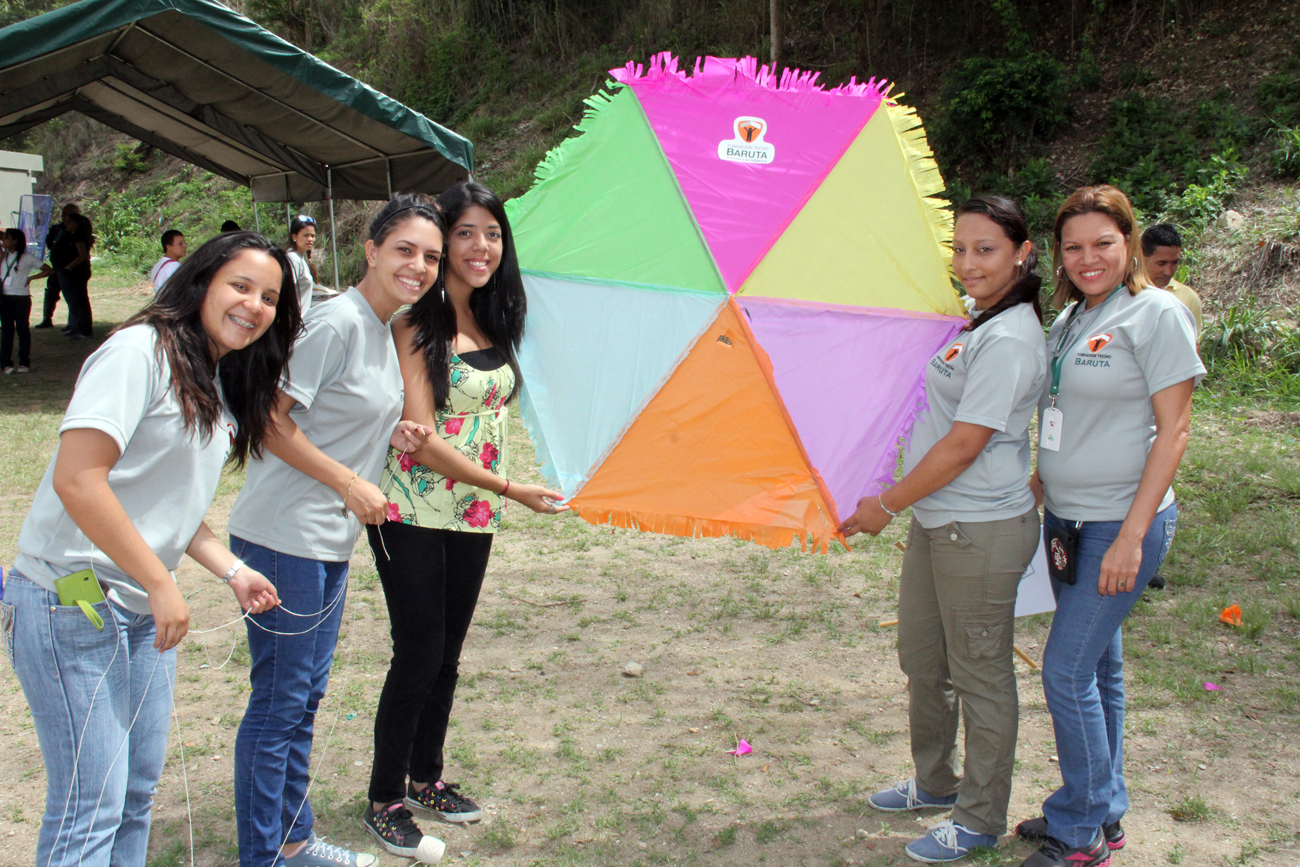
(1052, 427)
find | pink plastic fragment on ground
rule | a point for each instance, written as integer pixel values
(742, 748)
(1212, 686)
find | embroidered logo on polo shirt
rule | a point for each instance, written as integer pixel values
(1097, 341)
(953, 351)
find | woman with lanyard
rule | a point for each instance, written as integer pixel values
(302, 237)
(974, 530)
(458, 362)
(1114, 421)
(181, 388)
(16, 301)
(298, 517)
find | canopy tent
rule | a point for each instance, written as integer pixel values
(211, 87)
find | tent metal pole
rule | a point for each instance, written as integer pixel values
(334, 246)
(257, 222)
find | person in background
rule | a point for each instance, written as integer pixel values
(973, 532)
(74, 278)
(229, 226)
(181, 389)
(173, 244)
(1115, 417)
(1163, 249)
(302, 237)
(16, 266)
(457, 347)
(297, 520)
(59, 247)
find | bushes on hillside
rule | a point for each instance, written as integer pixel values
(997, 110)
(1153, 149)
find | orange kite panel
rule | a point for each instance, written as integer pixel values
(714, 453)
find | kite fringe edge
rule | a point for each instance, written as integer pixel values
(696, 528)
(666, 65)
(553, 163)
(925, 170)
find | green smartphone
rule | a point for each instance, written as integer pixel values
(82, 588)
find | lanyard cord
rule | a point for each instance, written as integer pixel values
(1064, 344)
(12, 265)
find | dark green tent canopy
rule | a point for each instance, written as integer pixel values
(211, 87)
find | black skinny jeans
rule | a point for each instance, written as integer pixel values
(75, 285)
(15, 316)
(432, 580)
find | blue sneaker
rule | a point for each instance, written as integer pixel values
(906, 796)
(948, 841)
(318, 853)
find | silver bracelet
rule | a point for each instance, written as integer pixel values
(880, 499)
(233, 570)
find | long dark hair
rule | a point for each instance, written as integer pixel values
(498, 307)
(247, 378)
(19, 238)
(1011, 221)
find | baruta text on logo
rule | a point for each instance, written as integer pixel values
(748, 145)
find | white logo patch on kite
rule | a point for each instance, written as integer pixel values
(748, 145)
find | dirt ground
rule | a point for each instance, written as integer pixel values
(576, 763)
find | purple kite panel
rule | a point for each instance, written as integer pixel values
(852, 380)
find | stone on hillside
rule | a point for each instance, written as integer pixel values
(633, 669)
(1232, 220)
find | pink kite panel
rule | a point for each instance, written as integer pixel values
(747, 151)
(852, 381)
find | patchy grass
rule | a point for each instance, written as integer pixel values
(576, 764)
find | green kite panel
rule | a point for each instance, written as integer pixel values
(606, 205)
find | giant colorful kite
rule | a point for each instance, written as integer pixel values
(734, 285)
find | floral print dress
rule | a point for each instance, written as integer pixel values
(474, 421)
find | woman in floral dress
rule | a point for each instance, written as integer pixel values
(457, 348)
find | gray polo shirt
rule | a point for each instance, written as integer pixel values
(991, 376)
(165, 478)
(1117, 356)
(345, 377)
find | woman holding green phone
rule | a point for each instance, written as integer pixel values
(184, 386)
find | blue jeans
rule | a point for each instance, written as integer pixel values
(101, 703)
(290, 671)
(1083, 679)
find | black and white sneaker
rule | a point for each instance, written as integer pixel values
(397, 832)
(445, 801)
(1035, 831)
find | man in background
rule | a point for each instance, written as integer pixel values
(174, 250)
(1163, 249)
(60, 237)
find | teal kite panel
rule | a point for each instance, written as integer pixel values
(593, 354)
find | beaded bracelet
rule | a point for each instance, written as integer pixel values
(348, 493)
(880, 498)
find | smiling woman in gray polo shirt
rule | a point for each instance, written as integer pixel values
(974, 529)
(1115, 418)
(92, 610)
(298, 517)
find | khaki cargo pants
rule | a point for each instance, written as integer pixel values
(956, 627)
